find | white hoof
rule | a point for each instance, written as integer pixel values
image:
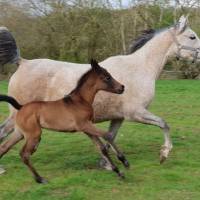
(164, 152)
(2, 170)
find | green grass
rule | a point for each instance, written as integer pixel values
(69, 161)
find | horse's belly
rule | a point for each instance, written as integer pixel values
(107, 106)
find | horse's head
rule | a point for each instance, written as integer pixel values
(104, 80)
(186, 42)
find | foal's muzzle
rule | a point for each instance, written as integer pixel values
(120, 90)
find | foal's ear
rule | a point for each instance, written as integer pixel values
(95, 65)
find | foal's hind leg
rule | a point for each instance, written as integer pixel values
(28, 149)
(105, 154)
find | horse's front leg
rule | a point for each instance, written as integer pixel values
(145, 117)
(115, 124)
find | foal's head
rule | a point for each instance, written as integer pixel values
(104, 80)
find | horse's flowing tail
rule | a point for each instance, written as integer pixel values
(11, 101)
(9, 53)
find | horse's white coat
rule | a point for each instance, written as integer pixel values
(44, 79)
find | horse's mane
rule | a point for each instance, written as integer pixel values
(141, 40)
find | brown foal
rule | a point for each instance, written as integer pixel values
(72, 113)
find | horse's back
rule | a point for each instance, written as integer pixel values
(44, 79)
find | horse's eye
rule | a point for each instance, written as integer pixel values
(192, 37)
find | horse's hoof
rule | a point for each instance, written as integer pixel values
(164, 152)
(162, 159)
(2, 170)
(41, 180)
(104, 165)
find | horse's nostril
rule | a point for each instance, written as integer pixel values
(123, 87)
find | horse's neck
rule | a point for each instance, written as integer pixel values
(153, 55)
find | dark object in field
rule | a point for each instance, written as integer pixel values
(72, 113)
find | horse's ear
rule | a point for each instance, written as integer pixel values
(94, 64)
(181, 24)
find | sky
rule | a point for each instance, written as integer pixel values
(127, 3)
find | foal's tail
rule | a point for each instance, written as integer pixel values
(11, 101)
(9, 53)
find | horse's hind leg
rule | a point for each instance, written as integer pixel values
(7, 145)
(105, 154)
(15, 137)
(7, 126)
(28, 149)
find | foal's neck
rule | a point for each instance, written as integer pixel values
(87, 91)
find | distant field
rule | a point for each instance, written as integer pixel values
(69, 161)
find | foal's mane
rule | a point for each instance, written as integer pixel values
(141, 40)
(80, 82)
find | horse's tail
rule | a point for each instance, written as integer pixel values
(9, 53)
(11, 101)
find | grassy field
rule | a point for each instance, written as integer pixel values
(69, 161)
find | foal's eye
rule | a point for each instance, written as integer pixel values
(192, 37)
(107, 78)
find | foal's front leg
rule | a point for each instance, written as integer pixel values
(92, 130)
(119, 154)
(105, 154)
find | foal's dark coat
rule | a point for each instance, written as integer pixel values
(72, 113)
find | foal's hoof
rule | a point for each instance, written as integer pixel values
(126, 164)
(108, 137)
(2, 170)
(104, 165)
(121, 175)
(41, 180)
